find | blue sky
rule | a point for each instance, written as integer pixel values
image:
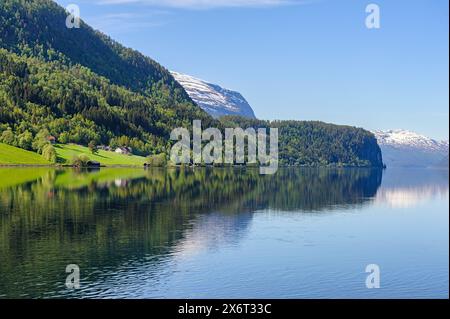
(305, 60)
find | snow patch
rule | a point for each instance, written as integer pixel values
(409, 139)
(214, 99)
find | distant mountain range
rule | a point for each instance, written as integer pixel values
(214, 99)
(403, 148)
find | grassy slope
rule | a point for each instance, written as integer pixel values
(10, 155)
(67, 151)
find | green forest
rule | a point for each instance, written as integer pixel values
(80, 86)
(312, 143)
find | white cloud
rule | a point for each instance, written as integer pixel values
(204, 4)
(125, 22)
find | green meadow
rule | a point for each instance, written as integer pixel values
(66, 152)
(10, 155)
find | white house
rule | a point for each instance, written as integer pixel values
(123, 150)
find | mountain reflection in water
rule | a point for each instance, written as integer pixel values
(109, 221)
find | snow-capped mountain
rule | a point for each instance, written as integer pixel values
(409, 149)
(404, 138)
(214, 99)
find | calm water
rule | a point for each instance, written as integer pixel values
(211, 233)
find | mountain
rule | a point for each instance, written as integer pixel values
(79, 86)
(403, 148)
(312, 143)
(214, 99)
(38, 28)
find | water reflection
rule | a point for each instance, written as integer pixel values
(211, 231)
(405, 188)
(111, 220)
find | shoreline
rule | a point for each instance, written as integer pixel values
(178, 166)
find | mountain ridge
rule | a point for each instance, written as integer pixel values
(79, 85)
(405, 148)
(22, 25)
(214, 99)
(407, 138)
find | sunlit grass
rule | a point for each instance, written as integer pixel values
(66, 152)
(10, 155)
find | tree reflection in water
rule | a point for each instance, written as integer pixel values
(100, 219)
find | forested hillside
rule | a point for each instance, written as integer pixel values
(316, 143)
(81, 86)
(38, 28)
(78, 106)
